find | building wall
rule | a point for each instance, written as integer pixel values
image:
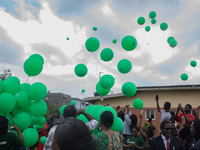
(148, 97)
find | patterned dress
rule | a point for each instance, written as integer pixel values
(109, 142)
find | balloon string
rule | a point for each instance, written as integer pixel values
(84, 59)
(27, 80)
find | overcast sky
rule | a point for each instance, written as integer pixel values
(42, 26)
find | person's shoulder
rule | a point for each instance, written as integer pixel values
(162, 111)
(174, 138)
(9, 134)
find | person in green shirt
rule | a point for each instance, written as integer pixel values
(134, 142)
(8, 140)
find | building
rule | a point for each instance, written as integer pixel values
(80, 103)
(184, 94)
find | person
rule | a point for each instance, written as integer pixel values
(165, 114)
(70, 111)
(73, 134)
(151, 133)
(196, 146)
(130, 121)
(191, 139)
(8, 140)
(134, 142)
(50, 125)
(185, 118)
(166, 141)
(42, 132)
(108, 139)
(198, 113)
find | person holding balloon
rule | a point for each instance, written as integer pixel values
(8, 140)
(108, 139)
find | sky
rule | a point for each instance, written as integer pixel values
(41, 27)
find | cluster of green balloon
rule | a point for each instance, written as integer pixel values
(152, 16)
(171, 41)
(114, 41)
(129, 43)
(95, 28)
(101, 91)
(163, 26)
(184, 76)
(193, 63)
(43, 140)
(92, 44)
(34, 65)
(138, 103)
(106, 54)
(80, 70)
(141, 20)
(129, 89)
(73, 103)
(107, 81)
(124, 66)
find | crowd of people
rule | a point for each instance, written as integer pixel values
(73, 134)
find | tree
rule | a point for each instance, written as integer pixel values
(5, 74)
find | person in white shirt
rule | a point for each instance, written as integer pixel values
(165, 114)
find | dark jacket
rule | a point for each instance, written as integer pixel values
(196, 146)
(175, 144)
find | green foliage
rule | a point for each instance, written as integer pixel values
(52, 112)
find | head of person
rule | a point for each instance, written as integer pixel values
(184, 132)
(187, 108)
(135, 131)
(151, 131)
(106, 119)
(166, 128)
(120, 114)
(167, 105)
(73, 134)
(70, 111)
(3, 125)
(133, 118)
(195, 129)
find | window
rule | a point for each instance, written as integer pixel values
(150, 114)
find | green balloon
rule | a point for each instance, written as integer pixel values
(33, 66)
(40, 126)
(73, 103)
(89, 108)
(95, 28)
(193, 63)
(39, 57)
(37, 91)
(16, 79)
(42, 121)
(22, 99)
(153, 21)
(22, 120)
(82, 117)
(83, 90)
(9, 86)
(141, 20)
(184, 76)
(35, 127)
(92, 44)
(129, 89)
(1, 85)
(152, 14)
(7, 103)
(43, 140)
(172, 43)
(107, 81)
(38, 108)
(30, 137)
(163, 26)
(124, 66)
(138, 103)
(147, 28)
(115, 41)
(101, 91)
(8, 116)
(129, 43)
(80, 70)
(169, 39)
(118, 125)
(62, 109)
(24, 87)
(107, 108)
(95, 110)
(35, 120)
(106, 54)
